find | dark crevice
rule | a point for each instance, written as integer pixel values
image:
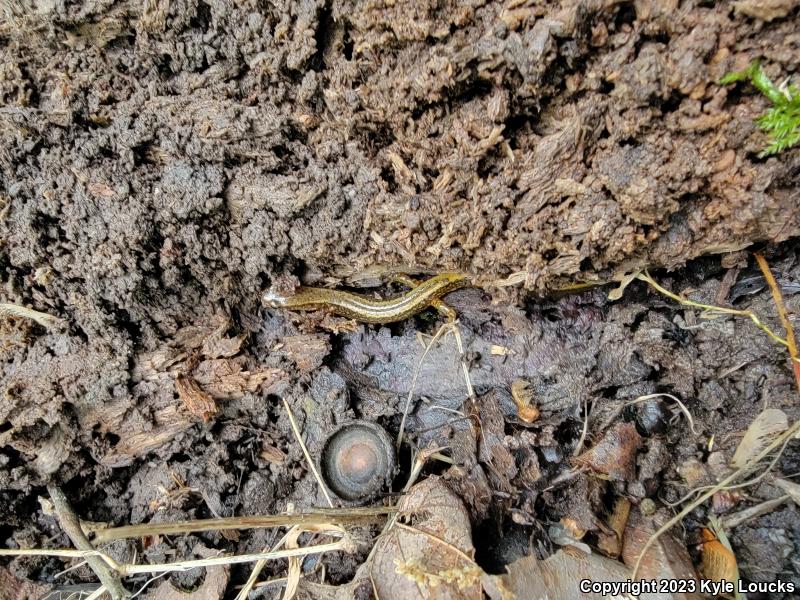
(323, 36)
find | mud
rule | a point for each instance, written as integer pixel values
(164, 163)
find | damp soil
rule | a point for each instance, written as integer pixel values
(164, 163)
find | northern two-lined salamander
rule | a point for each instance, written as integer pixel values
(368, 310)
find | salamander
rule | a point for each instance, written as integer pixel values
(368, 310)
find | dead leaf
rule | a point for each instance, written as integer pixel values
(718, 561)
(13, 588)
(762, 431)
(212, 588)
(523, 398)
(615, 454)
(558, 576)
(667, 558)
(194, 398)
(611, 543)
(431, 556)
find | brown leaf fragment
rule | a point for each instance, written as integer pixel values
(101, 189)
(611, 543)
(615, 454)
(558, 576)
(13, 588)
(431, 557)
(307, 351)
(272, 454)
(667, 558)
(192, 337)
(226, 379)
(169, 422)
(217, 346)
(198, 402)
(718, 562)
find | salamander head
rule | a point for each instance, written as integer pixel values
(272, 299)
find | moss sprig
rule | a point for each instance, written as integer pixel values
(781, 122)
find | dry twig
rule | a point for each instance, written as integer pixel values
(317, 516)
(72, 527)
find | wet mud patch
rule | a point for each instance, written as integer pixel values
(164, 164)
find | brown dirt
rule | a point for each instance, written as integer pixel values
(163, 163)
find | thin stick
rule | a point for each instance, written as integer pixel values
(313, 468)
(72, 527)
(317, 516)
(343, 544)
(778, 441)
(671, 397)
(97, 593)
(585, 429)
(787, 324)
(736, 519)
(257, 568)
(439, 540)
(464, 367)
(442, 329)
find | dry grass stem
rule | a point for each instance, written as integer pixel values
(258, 567)
(713, 310)
(318, 516)
(671, 397)
(43, 319)
(742, 516)
(777, 442)
(585, 430)
(343, 544)
(311, 464)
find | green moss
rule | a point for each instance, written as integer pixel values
(781, 122)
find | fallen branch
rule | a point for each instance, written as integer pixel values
(72, 527)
